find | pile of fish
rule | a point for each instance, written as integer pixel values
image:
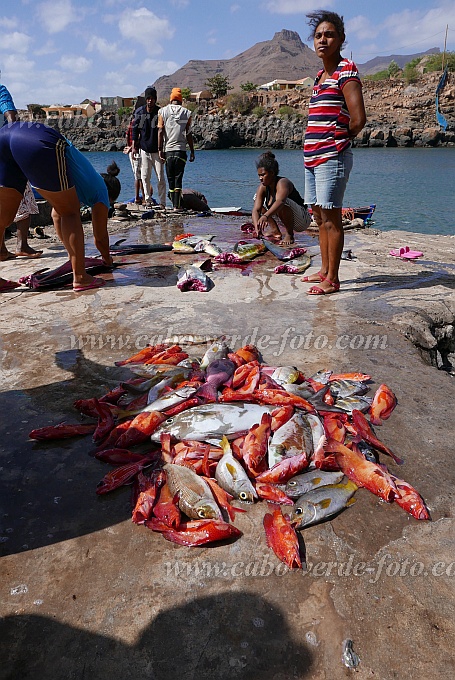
(296, 260)
(192, 436)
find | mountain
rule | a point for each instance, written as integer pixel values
(377, 64)
(284, 57)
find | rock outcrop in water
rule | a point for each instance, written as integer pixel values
(397, 115)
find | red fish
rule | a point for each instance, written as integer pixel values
(280, 416)
(120, 476)
(362, 472)
(272, 493)
(254, 448)
(410, 500)
(144, 354)
(118, 456)
(196, 532)
(358, 377)
(285, 469)
(364, 430)
(282, 398)
(111, 441)
(141, 427)
(334, 427)
(61, 431)
(166, 508)
(147, 497)
(87, 407)
(178, 408)
(223, 498)
(242, 372)
(384, 401)
(248, 353)
(106, 422)
(282, 539)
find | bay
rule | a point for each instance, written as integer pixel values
(413, 188)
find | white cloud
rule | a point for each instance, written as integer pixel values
(419, 29)
(153, 67)
(9, 23)
(48, 48)
(55, 16)
(361, 28)
(293, 6)
(16, 66)
(74, 63)
(144, 27)
(15, 42)
(108, 50)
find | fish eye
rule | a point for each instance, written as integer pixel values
(243, 496)
(169, 421)
(298, 511)
(201, 513)
(292, 483)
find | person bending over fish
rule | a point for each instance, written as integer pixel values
(277, 201)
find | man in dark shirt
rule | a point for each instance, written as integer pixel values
(145, 140)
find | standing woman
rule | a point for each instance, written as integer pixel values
(336, 115)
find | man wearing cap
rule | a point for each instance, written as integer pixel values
(145, 139)
(174, 122)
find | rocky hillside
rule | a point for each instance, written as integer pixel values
(284, 57)
(397, 115)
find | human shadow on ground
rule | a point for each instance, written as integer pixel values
(418, 280)
(220, 637)
(48, 489)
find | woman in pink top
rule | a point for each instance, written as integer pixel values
(336, 115)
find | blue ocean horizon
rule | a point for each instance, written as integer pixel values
(412, 188)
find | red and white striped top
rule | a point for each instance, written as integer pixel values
(327, 132)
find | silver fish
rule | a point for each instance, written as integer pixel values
(217, 350)
(348, 404)
(347, 388)
(322, 376)
(290, 439)
(303, 390)
(195, 496)
(301, 484)
(294, 266)
(205, 246)
(212, 421)
(231, 476)
(323, 502)
(193, 277)
(171, 398)
(151, 370)
(285, 375)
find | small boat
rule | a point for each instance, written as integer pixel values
(231, 210)
(364, 212)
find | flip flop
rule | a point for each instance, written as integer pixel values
(411, 255)
(6, 286)
(96, 283)
(316, 290)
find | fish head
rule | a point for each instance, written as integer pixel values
(302, 514)
(293, 487)
(208, 509)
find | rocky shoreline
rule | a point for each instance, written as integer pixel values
(398, 115)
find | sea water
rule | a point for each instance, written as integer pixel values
(413, 189)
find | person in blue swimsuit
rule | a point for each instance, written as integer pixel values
(64, 177)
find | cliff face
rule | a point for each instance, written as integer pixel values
(397, 115)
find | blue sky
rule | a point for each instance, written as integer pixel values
(62, 51)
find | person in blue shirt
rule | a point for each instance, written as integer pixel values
(63, 176)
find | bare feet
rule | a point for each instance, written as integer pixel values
(286, 241)
(28, 251)
(6, 255)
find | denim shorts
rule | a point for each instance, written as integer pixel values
(325, 184)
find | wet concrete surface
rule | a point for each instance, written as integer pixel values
(86, 593)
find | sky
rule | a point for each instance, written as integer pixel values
(63, 51)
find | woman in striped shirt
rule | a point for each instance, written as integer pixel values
(336, 115)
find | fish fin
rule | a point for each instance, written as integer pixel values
(349, 486)
(232, 470)
(325, 503)
(208, 391)
(205, 266)
(117, 243)
(316, 480)
(351, 501)
(319, 404)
